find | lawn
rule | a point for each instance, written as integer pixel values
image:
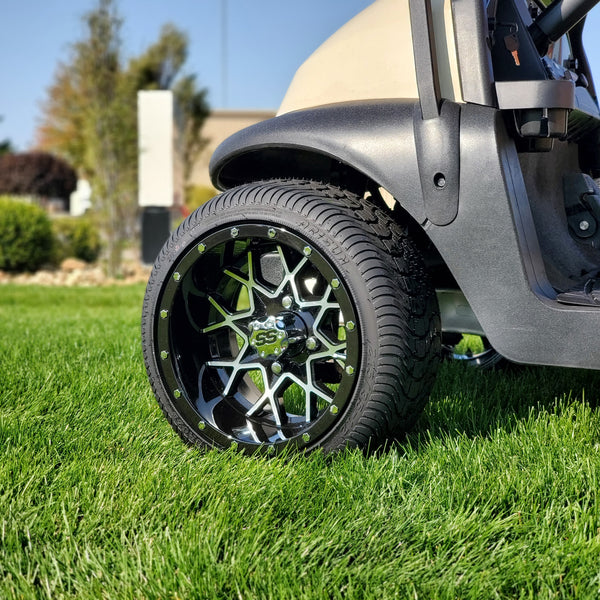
(495, 494)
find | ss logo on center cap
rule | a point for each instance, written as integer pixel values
(262, 338)
(268, 337)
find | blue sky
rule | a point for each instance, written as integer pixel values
(267, 41)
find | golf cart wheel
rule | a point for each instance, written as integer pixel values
(471, 350)
(290, 314)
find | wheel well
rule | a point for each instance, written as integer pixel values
(281, 162)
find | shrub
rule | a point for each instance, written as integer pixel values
(76, 237)
(197, 195)
(26, 238)
(38, 174)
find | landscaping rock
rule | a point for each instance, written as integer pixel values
(74, 272)
(72, 264)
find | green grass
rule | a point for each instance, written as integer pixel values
(470, 344)
(495, 495)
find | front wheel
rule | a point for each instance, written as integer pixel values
(290, 314)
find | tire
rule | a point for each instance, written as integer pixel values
(290, 314)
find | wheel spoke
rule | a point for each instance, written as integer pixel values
(269, 397)
(229, 319)
(239, 366)
(331, 350)
(237, 371)
(289, 277)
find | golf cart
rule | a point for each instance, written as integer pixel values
(430, 174)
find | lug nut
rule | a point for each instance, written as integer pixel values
(307, 250)
(201, 425)
(335, 283)
(272, 233)
(276, 368)
(177, 393)
(350, 325)
(287, 301)
(164, 354)
(312, 343)
(201, 248)
(584, 225)
(164, 314)
(333, 409)
(306, 437)
(176, 276)
(234, 232)
(350, 370)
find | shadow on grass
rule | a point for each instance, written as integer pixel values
(471, 402)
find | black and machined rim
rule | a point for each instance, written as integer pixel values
(257, 339)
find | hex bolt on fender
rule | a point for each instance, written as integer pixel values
(297, 325)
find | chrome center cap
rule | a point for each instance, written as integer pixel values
(269, 337)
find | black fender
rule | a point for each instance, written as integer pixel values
(374, 139)
(386, 142)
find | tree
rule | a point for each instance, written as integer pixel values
(90, 115)
(192, 110)
(5, 145)
(36, 174)
(158, 68)
(86, 120)
(159, 65)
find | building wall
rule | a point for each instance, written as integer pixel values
(219, 125)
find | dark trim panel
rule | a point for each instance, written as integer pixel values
(492, 250)
(438, 153)
(426, 64)
(474, 59)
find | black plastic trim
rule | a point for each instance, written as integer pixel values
(512, 18)
(426, 66)
(492, 250)
(474, 58)
(438, 153)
